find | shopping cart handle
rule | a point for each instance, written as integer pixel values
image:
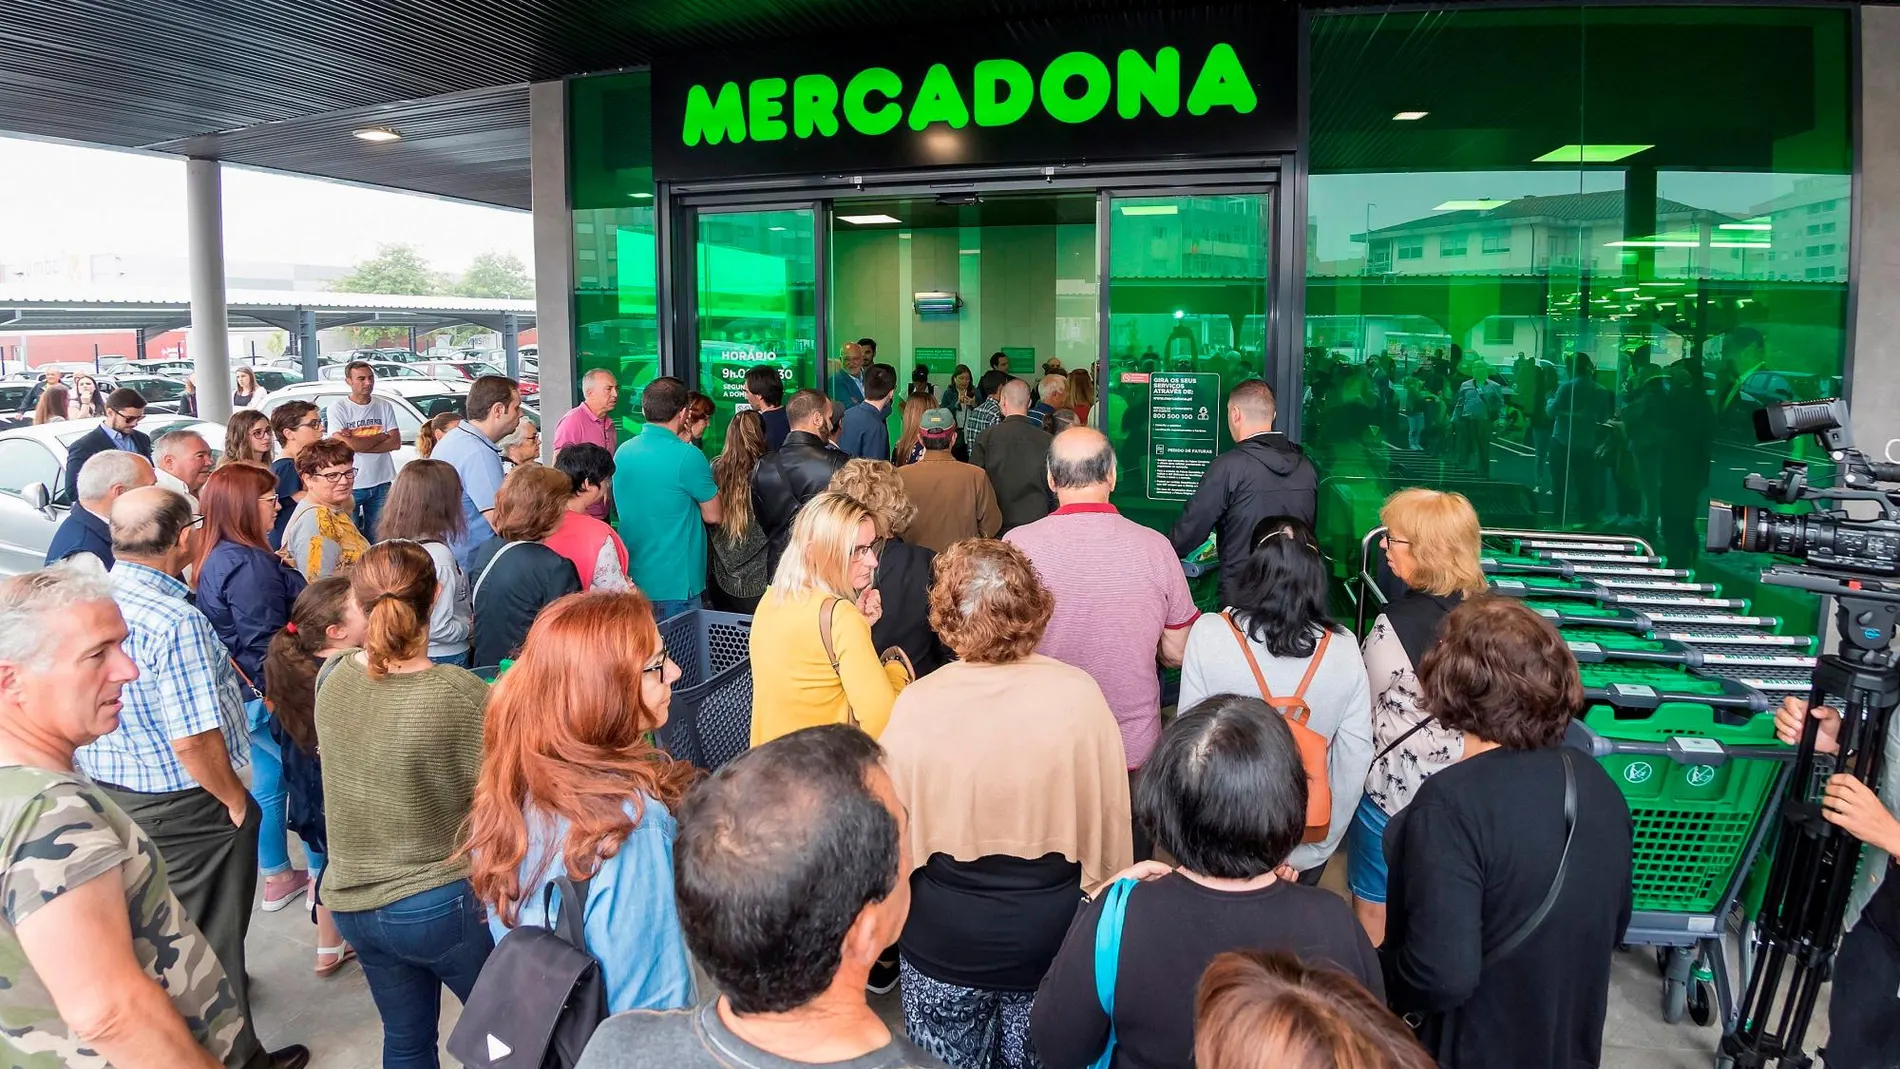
(1682, 749)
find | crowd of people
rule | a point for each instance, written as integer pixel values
(962, 781)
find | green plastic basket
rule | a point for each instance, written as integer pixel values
(1692, 823)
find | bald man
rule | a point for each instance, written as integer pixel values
(1263, 476)
(1013, 453)
(1122, 602)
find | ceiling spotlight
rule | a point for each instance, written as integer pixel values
(375, 133)
(867, 220)
(1410, 116)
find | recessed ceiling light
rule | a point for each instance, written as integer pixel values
(1591, 153)
(1480, 205)
(775, 229)
(1410, 116)
(865, 220)
(375, 133)
(641, 196)
(1150, 209)
(1746, 226)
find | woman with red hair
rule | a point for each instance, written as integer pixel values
(247, 592)
(571, 785)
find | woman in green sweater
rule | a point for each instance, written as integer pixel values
(401, 738)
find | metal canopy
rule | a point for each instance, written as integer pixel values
(280, 83)
(155, 311)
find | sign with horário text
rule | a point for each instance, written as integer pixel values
(1109, 88)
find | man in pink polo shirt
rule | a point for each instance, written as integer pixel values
(588, 422)
(1122, 601)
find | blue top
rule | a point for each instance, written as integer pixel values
(478, 461)
(847, 389)
(247, 593)
(632, 925)
(659, 484)
(865, 432)
(289, 483)
(82, 532)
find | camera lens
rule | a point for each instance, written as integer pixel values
(1760, 530)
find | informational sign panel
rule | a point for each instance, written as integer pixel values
(728, 368)
(1022, 362)
(1183, 431)
(941, 360)
(1142, 85)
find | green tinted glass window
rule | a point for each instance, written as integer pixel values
(610, 160)
(1563, 288)
(755, 304)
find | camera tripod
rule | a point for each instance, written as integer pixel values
(1813, 872)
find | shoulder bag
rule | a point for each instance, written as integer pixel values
(1313, 746)
(1108, 958)
(540, 995)
(1524, 931)
(825, 613)
(472, 594)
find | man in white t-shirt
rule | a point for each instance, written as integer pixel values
(367, 424)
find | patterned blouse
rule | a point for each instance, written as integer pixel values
(1396, 709)
(322, 541)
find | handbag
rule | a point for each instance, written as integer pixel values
(1108, 958)
(825, 613)
(1523, 932)
(1312, 745)
(256, 706)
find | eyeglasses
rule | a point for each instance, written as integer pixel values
(130, 419)
(860, 552)
(261, 431)
(1390, 541)
(658, 667)
(196, 522)
(347, 475)
(312, 424)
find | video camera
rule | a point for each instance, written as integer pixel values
(1827, 540)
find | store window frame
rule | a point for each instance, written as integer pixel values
(681, 204)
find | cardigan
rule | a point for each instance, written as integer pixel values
(795, 686)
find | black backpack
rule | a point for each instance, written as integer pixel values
(540, 996)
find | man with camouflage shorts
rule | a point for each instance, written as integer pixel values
(99, 963)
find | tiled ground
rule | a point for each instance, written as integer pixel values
(336, 1019)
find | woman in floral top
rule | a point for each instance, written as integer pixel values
(1432, 545)
(321, 539)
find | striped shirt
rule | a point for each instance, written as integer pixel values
(186, 686)
(1117, 586)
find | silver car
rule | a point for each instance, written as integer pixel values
(33, 482)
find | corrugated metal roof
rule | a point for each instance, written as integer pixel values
(33, 308)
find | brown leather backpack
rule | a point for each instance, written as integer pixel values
(1313, 745)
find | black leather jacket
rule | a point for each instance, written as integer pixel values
(788, 477)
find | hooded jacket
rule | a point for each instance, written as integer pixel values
(1266, 475)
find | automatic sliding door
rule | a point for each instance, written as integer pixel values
(755, 303)
(1187, 320)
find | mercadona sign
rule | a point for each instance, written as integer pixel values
(1106, 89)
(1075, 87)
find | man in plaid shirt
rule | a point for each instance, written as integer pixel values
(172, 764)
(983, 417)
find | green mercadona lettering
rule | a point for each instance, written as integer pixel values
(1074, 88)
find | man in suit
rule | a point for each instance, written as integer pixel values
(124, 409)
(88, 528)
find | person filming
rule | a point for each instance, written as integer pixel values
(1863, 1012)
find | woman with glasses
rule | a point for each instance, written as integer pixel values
(1278, 632)
(902, 576)
(812, 634)
(247, 593)
(572, 786)
(1432, 545)
(247, 439)
(295, 425)
(321, 538)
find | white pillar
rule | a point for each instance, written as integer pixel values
(210, 336)
(553, 254)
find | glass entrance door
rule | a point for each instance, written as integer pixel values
(1187, 281)
(755, 304)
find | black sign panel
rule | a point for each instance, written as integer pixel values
(1136, 86)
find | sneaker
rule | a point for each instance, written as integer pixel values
(279, 892)
(883, 978)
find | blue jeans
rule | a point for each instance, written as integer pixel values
(1365, 852)
(459, 660)
(666, 610)
(267, 786)
(409, 950)
(369, 506)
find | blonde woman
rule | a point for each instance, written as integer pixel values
(1432, 544)
(902, 578)
(812, 634)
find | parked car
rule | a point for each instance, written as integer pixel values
(415, 400)
(469, 371)
(272, 379)
(162, 395)
(33, 482)
(383, 368)
(175, 369)
(13, 407)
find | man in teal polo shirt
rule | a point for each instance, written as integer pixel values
(666, 495)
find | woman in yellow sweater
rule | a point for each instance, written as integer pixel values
(827, 571)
